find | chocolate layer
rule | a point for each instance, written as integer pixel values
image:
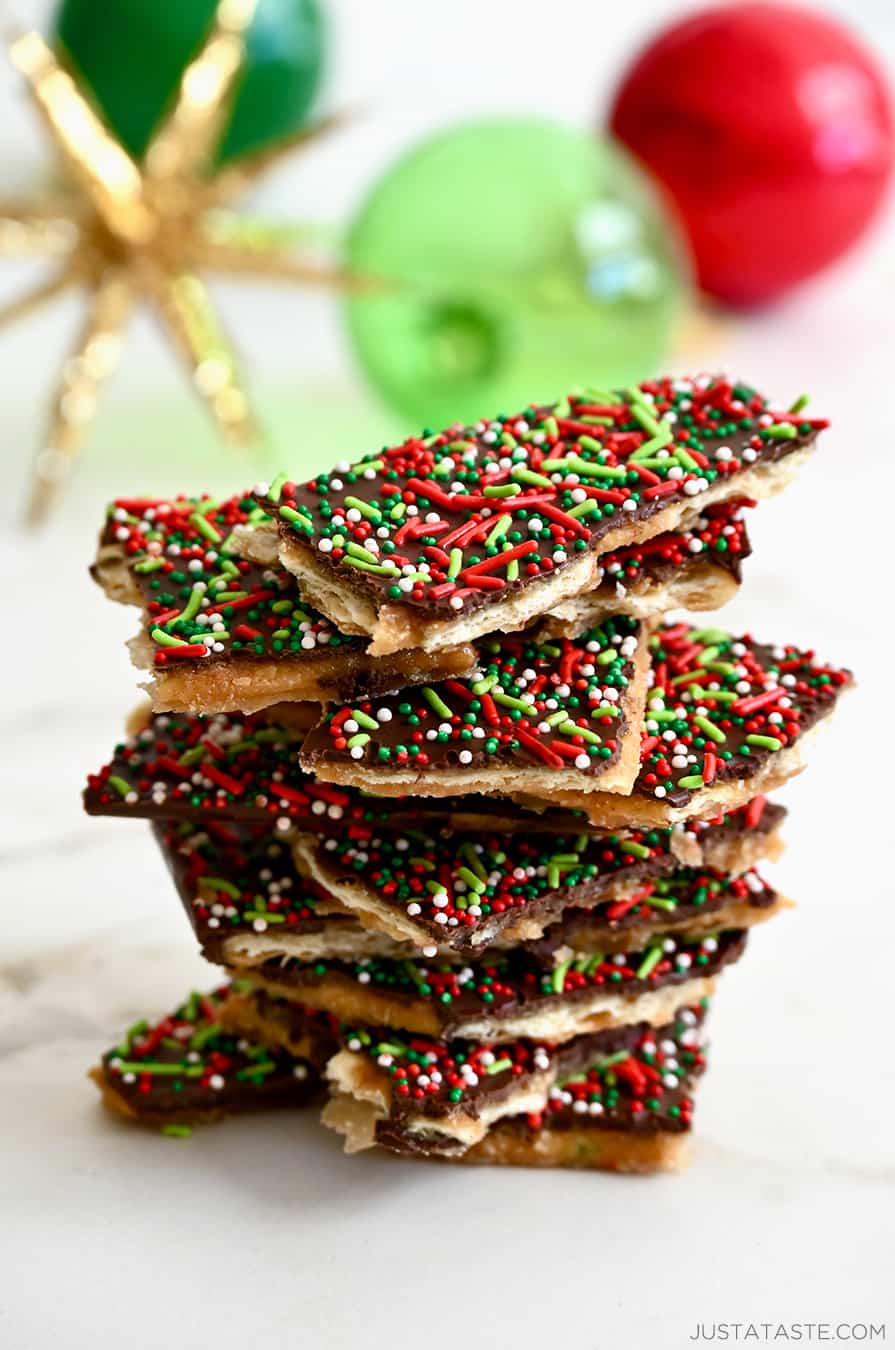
(469, 516)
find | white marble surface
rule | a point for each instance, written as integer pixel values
(261, 1227)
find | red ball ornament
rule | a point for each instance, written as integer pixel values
(772, 130)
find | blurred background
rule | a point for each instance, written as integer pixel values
(516, 249)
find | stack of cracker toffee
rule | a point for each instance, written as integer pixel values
(470, 826)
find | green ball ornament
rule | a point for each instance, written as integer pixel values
(527, 258)
(132, 53)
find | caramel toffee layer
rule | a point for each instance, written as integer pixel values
(205, 607)
(242, 768)
(463, 891)
(450, 523)
(562, 705)
(446, 1000)
(188, 1067)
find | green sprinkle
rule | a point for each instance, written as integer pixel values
(165, 639)
(120, 786)
(800, 403)
(781, 431)
(204, 526)
(177, 1131)
(500, 527)
(715, 733)
(361, 738)
(456, 556)
(649, 962)
(364, 720)
(368, 511)
(296, 518)
(693, 780)
(508, 702)
(765, 742)
(436, 702)
(523, 475)
(501, 490)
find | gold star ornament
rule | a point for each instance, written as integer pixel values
(133, 232)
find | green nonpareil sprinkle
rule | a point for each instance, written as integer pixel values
(649, 962)
(436, 702)
(367, 510)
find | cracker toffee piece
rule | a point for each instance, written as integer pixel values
(483, 528)
(222, 633)
(511, 994)
(726, 718)
(244, 769)
(248, 903)
(464, 891)
(189, 1068)
(697, 569)
(434, 1098)
(531, 717)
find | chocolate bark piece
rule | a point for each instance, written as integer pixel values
(244, 769)
(483, 528)
(437, 1098)
(699, 568)
(248, 903)
(531, 717)
(635, 1080)
(223, 633)
(509, 995)
(726, 718)
(633, 1115)
(464, 891)
(190, 1068)
(689, 901)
